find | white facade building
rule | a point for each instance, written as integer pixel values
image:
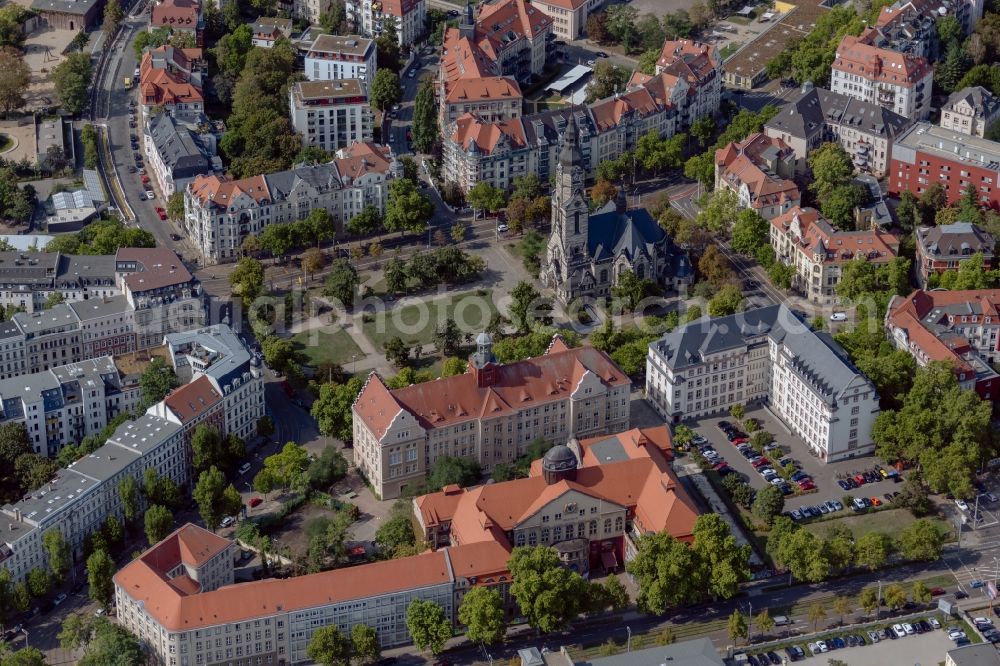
(335, 57)
(765, 355)
(331, 114)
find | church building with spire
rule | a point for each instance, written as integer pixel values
(588, 252)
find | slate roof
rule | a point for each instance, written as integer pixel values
(816, 356)
(806, 115)
(633, 232)
(981, 100)
(177, 147)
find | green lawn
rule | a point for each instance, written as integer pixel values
(730, 49)
(327, 347)
(889, 521)
(416, 322)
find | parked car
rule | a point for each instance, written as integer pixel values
(934, 623)
(908, 628)
(874, 637)
(227, 521)
(807, 485)
(244, 468)
(991, 497)
(976, 584)
(876, 501)
(859, 479)
(61, 597)
(255, 502)
(898, 630)
(838, 316)
(843, 484)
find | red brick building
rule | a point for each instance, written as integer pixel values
(927, 154)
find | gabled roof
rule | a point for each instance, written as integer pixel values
(743, 163)
(156, 267)
(161, 87)
(175, 14)
(814, 235)
(442, 402)
(610, 112)
(362, 158)
(221, 191)
(816, 108)
(193, 400)
(856, 56)
(693, 61)
(982, 102)
(482, 89)
(503, 22)
(481, 136)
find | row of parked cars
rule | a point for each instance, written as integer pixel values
(873, 475)
(986, 628)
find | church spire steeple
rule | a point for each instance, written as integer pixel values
(570, 155)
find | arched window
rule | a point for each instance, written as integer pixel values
(520, 538)
(532, 538)
(640, 271)
(604, 275)
(557, 534)
(607, 525)
(618, 524)
(545, 535)
(576, 222)
(593, 527)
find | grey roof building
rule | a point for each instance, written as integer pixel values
(695, 652)
(178, 154)
(865, 130)
(69, 14)
(970, 111)
(981, 654)
(765, 355)
(944, 248)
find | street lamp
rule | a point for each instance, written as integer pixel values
(749, 620)
(628, 642)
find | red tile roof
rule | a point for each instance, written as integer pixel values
(499, 21)
(362, 158)
(220, 191)
(816, 235)
(856, 56)
(158, 267)
(695, 62)
(483, 89)
(442, 402)
(461, 57)
(144, 579)
(741, 163)
(161, 87)
(611, 111)
(469, 130)
(193, 400)
(176, 14)
(399, 8)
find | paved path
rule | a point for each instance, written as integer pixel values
(694, 473)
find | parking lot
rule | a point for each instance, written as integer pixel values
(824, 477)
(926, 648)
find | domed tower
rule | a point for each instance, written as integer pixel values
(483, 362)
(559, 463)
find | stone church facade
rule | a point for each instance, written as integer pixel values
(587, 252)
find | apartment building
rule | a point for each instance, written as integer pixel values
(28, 279)
(161, 599)
(802, 238)
(217, 353)
(176, 153)
(165, 296)
(180, 17)
(268, 30)
(569, 17)
(331, 114)
(926, 154)
(476, 149)
(220, 213)
(589, 499)
(338, 57)
(865, 130)
(910, 26)
(67, 403)
(194, 404)
(187, 65)
(758, 170)
(81, 496)
(945, 248)
(898, 81)
(959, 327)
(765, 355)
(696, 65)
(970, 111)
(371, 17)
(515, 34)
(469, 81)
(107, 326)
(489, 414)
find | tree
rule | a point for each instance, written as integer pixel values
(397, 531)
(158, 521)
(841, 606)
(397, 352)
(621, 24)
(722, 210)
(113, 16)
(160, 489)
(728, 300)
(77, 630)
(425, 127)
(769, 503)
(27, 656)
(725, 563)
(597, 28)
(921, 540)
(448, 470)
(831, 167)
(332, 409)
(703, 128)
(524, 306)
(872, 550)
(58, 551)
(447, 337)
(750, 232)
(737, 626)
(15, 76)
(100, 571)
(342, 282)
(386, 90)
(428, 625)
(895, 596)
(933, 199)
(629, 290)
(764, 621)
(602, 192)
(367, 222)
(71, 78)
(289, 465)
(457, 232)
(334, 20)
(329, 647)
(156, 382)
(605, 80)
(817, 612)
(667, 572)
(868, 600)
(39, 582)
(209, 494)
(247, 279)
(482, 614)
(365, 645)
(387, 45)
(950, 70)
(112, 644)
(407, 208)
(914, 495)
(801, 552)
(548, 594)
(484, 196)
